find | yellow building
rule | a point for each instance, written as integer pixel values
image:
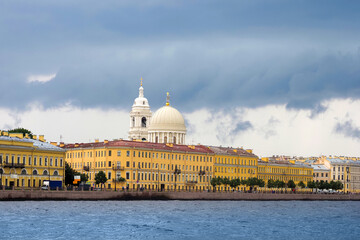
(284, 171)
(152, 166)
(26, 162)
(234, 163)
(321, 173)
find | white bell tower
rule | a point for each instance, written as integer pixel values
(140, 116)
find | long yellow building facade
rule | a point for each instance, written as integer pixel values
(285, 171)
(144, 165)
(157, 166)
(26, 162)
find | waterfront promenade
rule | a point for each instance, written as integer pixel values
(10, 195)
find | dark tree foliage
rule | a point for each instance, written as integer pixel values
(100, 178)
(301, 184)
(291, 184)
(21, 130)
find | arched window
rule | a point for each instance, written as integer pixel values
(143, 122)
(35, 172)
(174, 139)
(133, 122)
(165, 139)
(23, 172)
(45, 172)
(156, 139)
(56, 173)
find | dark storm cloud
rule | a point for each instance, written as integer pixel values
(348, 129)
(243, 53)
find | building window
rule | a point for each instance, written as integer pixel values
(109, 175)
(45, 172)
(23, 172)
(40, 161)
(119, 153)
(109, 153)
(128, 153)
(61, 162)
(127, 164)
(109, 163)
(35, 172)
(143, 122)
(56, 173)
(56, 162)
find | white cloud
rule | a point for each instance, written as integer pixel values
(41, 78)
(274, 129)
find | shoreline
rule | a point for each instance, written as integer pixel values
(28, 195)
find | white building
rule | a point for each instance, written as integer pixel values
(166, 126)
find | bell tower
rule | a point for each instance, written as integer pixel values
(140, 116)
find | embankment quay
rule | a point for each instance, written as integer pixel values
(23, 195)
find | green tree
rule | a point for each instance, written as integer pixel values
(291, 184)
(280, 184)
(21, 130)
(100, 178)
(69, 174)
(311, 184)
(121, 179)
(234, 182)
(271, 183)
(301, 184)
(336, 185)
(225, 182)
(213, 183)
(84, 177)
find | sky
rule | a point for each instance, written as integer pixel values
(279, 77)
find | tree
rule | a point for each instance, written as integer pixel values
(21, 130)
(84, 177)
(336, 185)
(311, 184)
(234, 182)
(301, 184)
(121, 179)
(69, 174)
(280, 184)
(291, 184)
(100, 178)
(213, 183)
(226, 182)
(271, 183)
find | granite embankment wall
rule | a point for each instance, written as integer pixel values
(11, 195)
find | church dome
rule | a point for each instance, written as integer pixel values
(167, 118)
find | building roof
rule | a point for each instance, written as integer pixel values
(143, 145)
(35, 143)
(283, 164)
(319, 167)
(231, 151)
(342, 161)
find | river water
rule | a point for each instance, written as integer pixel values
(180, 220)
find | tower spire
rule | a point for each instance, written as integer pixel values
(141, 89)
(167, 99)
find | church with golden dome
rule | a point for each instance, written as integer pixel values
(167, 125)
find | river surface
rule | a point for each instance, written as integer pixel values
(180, 220)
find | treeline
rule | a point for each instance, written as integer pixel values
(334, 185)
